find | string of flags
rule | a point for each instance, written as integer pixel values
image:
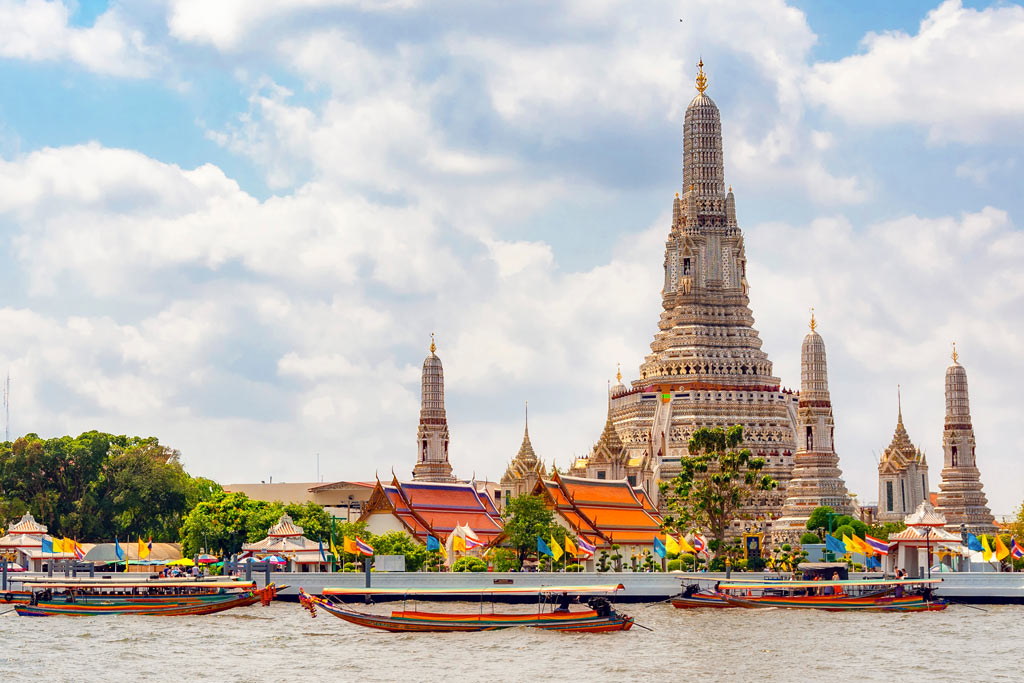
(673, 546)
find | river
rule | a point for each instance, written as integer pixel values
(282, 643)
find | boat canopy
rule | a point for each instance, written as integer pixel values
(505, 590)
(745, 585)
(37, 583)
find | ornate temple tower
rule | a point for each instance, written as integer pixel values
(706, 367)
(432, 436)
(523, 473)
(902, 475)
(817, 479)
(961, 499)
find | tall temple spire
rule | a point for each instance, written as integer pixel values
(817, 479)
(961, 498)
(902, 473)
(432, 436)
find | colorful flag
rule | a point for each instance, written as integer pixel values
(685, 547)
(47, 546)
(58, 546)
(334, 550)
(144, 549)
(556, 549)
(848, 542)
(974, 544)
(68, 545)
(878, 545)
(319, 543)
(543, 548)
(659, 548)
(586, 549)
(1001, 550)
(433, 544)
(118, 551)
(700, 544)
(363, 547)
(856, 545)
(986, 550)
(671, 544)
(349, 544)
(1015, 550)
(473, 543)
(458, 543)
(834, 545)
(571, 548)
(79, 551)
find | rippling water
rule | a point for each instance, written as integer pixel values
(282, 643)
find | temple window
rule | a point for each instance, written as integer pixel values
(903, 494)
(632, 479)
(810, 438)
(888, 496)
(954, 456)
(601, 474)
(686, 266)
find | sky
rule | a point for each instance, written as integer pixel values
(235, 225)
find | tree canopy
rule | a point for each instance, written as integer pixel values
(714, 483)
(98, 486)
(527, 517)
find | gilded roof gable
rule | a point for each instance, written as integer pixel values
(525, 462)
(901, 452)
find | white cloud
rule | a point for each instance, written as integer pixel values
(39, 30)
(958, 76)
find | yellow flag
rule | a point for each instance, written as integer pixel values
(459, 543)
(684, 546)
(69, 546)
(571, 548)
(671, 544)
(987, 552)
(143, 549)
(556, 550)
(1001, 549)
(334, 550)
(349, 544)
(58, 546)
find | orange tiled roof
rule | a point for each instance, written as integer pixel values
(430, 508)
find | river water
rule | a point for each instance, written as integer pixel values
(282, 643)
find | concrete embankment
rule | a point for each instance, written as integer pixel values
(988, 587)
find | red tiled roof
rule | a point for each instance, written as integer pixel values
(429, 508)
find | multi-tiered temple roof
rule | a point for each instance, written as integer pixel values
(431, 509)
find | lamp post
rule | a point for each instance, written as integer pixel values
(963, 540)
(928, 546)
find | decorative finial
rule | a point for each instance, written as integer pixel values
(814, 323)
(702, 80)
(618, 374)
(899, 405)
(527, 417)
(956, 355)
(730, 188)
(677, 195)
(433, 346)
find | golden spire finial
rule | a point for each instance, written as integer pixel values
(677, 195)
(956, 355)
(702, 80)
(433, 346)
(618, 374)
(814, 323)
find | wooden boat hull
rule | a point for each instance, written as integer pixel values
(173, 605)
(700, 600)
(412, 622)
(834, 603)
(15, 597)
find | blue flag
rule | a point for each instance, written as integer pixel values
(321, 544)
(433, 544)
(47, 545)
(118, 550)
(543, 548)
(833, 544)
(873, 562)
(659, 548)
(974, 544)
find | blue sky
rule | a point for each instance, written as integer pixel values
(236, 229)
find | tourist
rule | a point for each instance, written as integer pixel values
(838, 589)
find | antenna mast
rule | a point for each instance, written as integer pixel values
(7, 407)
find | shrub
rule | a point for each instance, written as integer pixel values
(574, 568)
(469, 564)
(673, 565)
(810, 537)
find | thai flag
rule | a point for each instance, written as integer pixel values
(79, 552)
(878, 545)
(473, 543)
(363, 547)
(1016, 550)
(585, 548)
(700, 544)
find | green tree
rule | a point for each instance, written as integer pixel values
(819, 518)
(883, 531)
(399, 543)
(809, 538)
(714, 483)
(527, 517)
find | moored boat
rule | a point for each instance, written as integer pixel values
(148, 597)
(600, 617)
(905, 595)
(693, 597)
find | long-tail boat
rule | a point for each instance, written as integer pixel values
(600, 616)
(147, 597)
(904, 595)
(693, 597)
